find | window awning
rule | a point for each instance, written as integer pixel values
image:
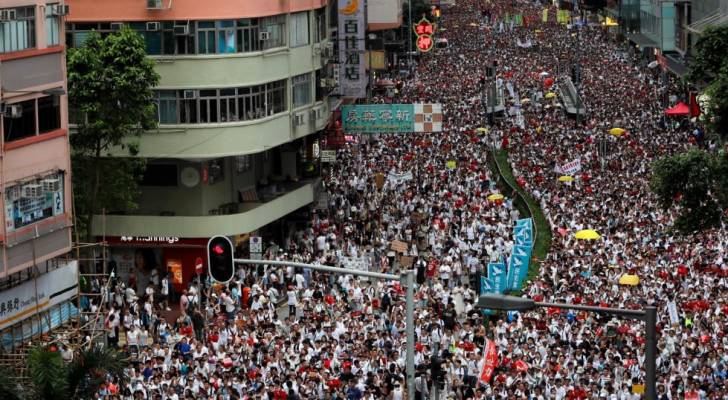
(700, 25)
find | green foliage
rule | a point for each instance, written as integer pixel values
(110, 81)
(9, 389)
(90, 368)
(710, 65)
(695, 182)
(48, 374)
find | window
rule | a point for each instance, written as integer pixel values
(243, 163)
(49, 114)
(23, 126)
(33, 200)
(320, 32)
(276, 28)
(320, 91)
(51, 25)
(247, 35)
(206, 37)
(225, 36)
(159, 175)
(167, 107)
(221, 105)
(301, 86)
(18, 34)
(299, 29)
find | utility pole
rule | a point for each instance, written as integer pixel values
(406, 278)
(409, 36)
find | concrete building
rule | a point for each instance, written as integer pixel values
(242, 100)
(35, 171)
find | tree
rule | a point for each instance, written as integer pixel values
(697, 183)
(110, 82)
(710, 66)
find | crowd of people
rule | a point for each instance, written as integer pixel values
(291, 333)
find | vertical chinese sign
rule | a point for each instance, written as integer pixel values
(352, 79)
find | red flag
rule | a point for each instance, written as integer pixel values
(694, 106)
(490, 361)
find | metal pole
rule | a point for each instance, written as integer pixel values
(409, 36)
(322, 268)
(409, 279)
(638, 314)
(651, 351)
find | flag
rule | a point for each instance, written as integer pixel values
(490, 361)
(545, 15)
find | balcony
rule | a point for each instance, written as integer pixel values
(256, 210)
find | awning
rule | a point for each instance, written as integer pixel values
(716, 19)
(679, 109)
(641, 40)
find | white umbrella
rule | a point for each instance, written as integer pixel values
(544, 73)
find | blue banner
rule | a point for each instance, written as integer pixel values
(497, 273)
(523, 233)
(523, 255)
(486, 286)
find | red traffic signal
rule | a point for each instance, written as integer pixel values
(220, 259)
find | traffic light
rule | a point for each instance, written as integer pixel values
(220, 259)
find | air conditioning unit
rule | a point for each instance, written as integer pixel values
(154, 5)
(190, 94)
(61, 10)
(317, 113)
(13, 111)
(116, 26)
(7, 15)
(51, 184)
(299, 120)
(153, 26)
(328, 50)
(32, 191)
(264, 35)
(182, 29)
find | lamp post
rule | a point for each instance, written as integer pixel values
(648, 315)
(407, 278)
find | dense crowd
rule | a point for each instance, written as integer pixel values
(341, 337)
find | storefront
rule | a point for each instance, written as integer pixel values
(138, 256)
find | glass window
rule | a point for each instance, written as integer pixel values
(299, 29)
(23, 125)
(301, 86)
(247, 35)
(49, 114)
(208, 106)
(167, 107)
(320, 24)
(228, 106)
(276, 28)
(276, 97)
(153, 41)
(51, 25)
(206, 37)
(18, 34)
(225, 36)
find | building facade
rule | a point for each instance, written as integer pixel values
(242, 99)
(35, 171)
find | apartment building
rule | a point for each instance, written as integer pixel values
(242, 101)
(34, 170)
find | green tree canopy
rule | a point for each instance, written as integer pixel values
(696, 182)
(110, 80)
(710, 66)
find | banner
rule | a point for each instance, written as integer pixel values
(570, 167)
(523, 233)
(352, 78)
(55, 287)
(395, 178)
(545, 15)
(523, 255)
(497, 274)
(392, 118)
(490, 361)
(487, 286)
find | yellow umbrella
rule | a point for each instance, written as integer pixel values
(566, 178)
(550, 95)
(495, 196)
(451, 164)
(631, 280)
(482, 130)
(617, 131)
(524, 101)
(587, 234)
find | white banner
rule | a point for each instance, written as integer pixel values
(55, 287)
(570, 167)
(396, 178)
(352, 78)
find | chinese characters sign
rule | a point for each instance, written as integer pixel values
(424, 30)
(383, 118)
(352, 78)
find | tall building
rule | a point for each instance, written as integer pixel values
(242, 100)
(34, 168)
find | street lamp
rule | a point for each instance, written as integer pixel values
(648, 315)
